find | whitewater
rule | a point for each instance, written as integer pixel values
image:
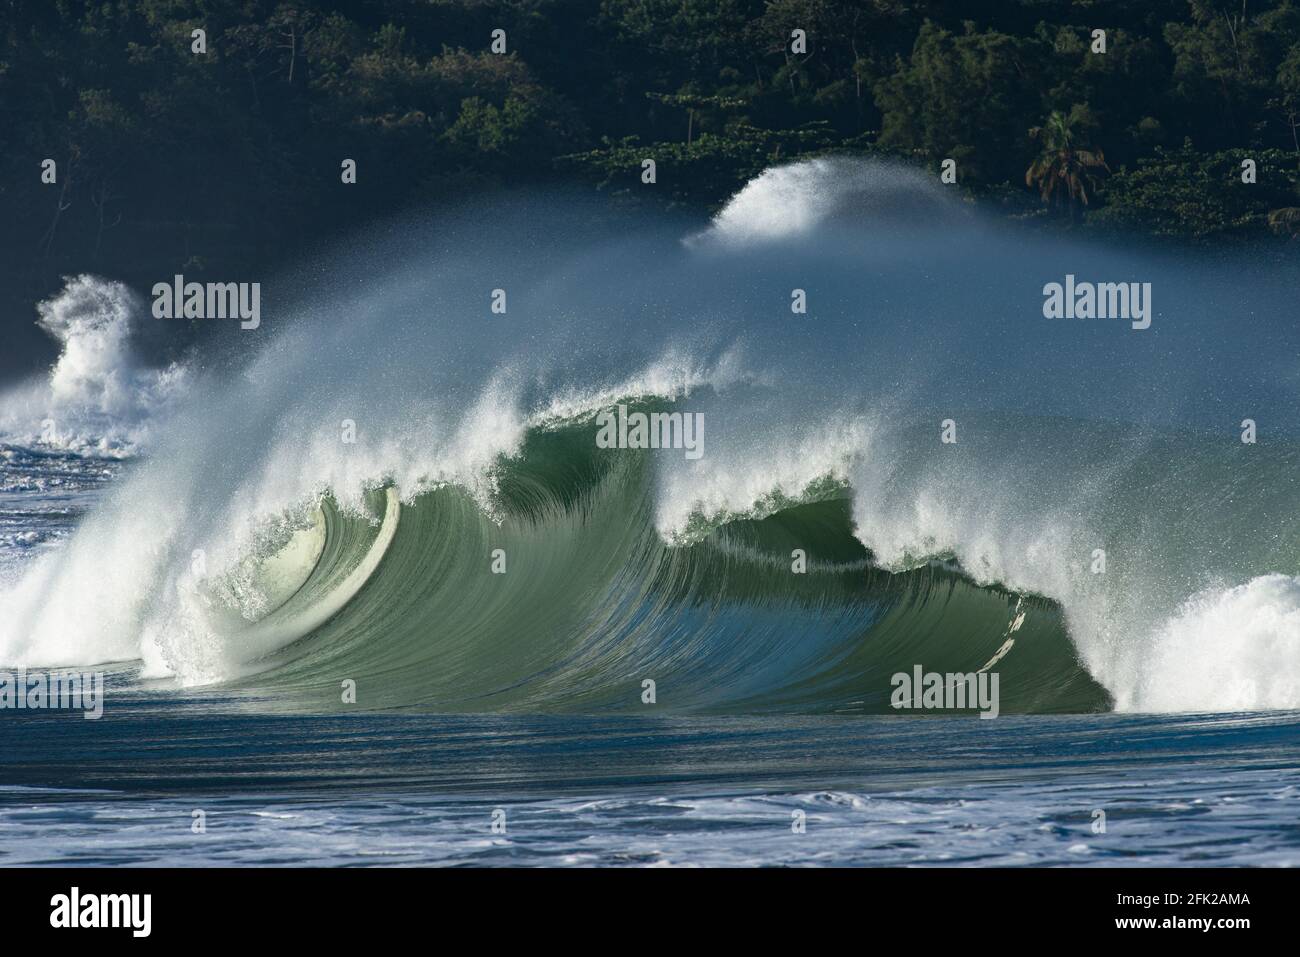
(1071, 438)
(389, 488)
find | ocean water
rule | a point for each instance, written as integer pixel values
(364, 577)
(1103, 790)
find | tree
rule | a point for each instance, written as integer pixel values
(1288, 102)
(703, 173)
(1285, 221)
(694, 104)
(1188, 195)
(1063, 170)
(964, 97)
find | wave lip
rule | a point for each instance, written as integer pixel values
(565, 598)
(793, 201)
(624, 567)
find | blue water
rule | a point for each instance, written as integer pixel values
(771, 741)
(367, 789)
(422, 790)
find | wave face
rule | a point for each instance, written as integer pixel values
(1098, 534)
(591, 601)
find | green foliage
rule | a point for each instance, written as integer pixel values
(1187, 194)
(960, 96)
(1064, 170)
(701, 172)
(1285, 222)
(232, 158)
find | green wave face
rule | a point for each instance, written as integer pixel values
(592, 603)
(1129, 497)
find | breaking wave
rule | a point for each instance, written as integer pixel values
(99, 398)
(401, 488)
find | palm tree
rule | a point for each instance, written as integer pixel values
(1285, 221)
(1063, 170)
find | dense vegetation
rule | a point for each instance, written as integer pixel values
(216, 161)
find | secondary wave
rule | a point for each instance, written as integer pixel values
(99, 398)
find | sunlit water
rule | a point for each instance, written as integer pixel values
(1148, 713)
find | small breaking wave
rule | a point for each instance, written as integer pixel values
(99, 398)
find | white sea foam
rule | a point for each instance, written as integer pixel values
(793, 200)
(432, 405)
(1225, 649)
(98, 398)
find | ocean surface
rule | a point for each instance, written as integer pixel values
(1103, 790)
(365, 587)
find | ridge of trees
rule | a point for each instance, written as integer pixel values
(219, 161)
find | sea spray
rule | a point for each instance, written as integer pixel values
(99, 397)
(1075, 437)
